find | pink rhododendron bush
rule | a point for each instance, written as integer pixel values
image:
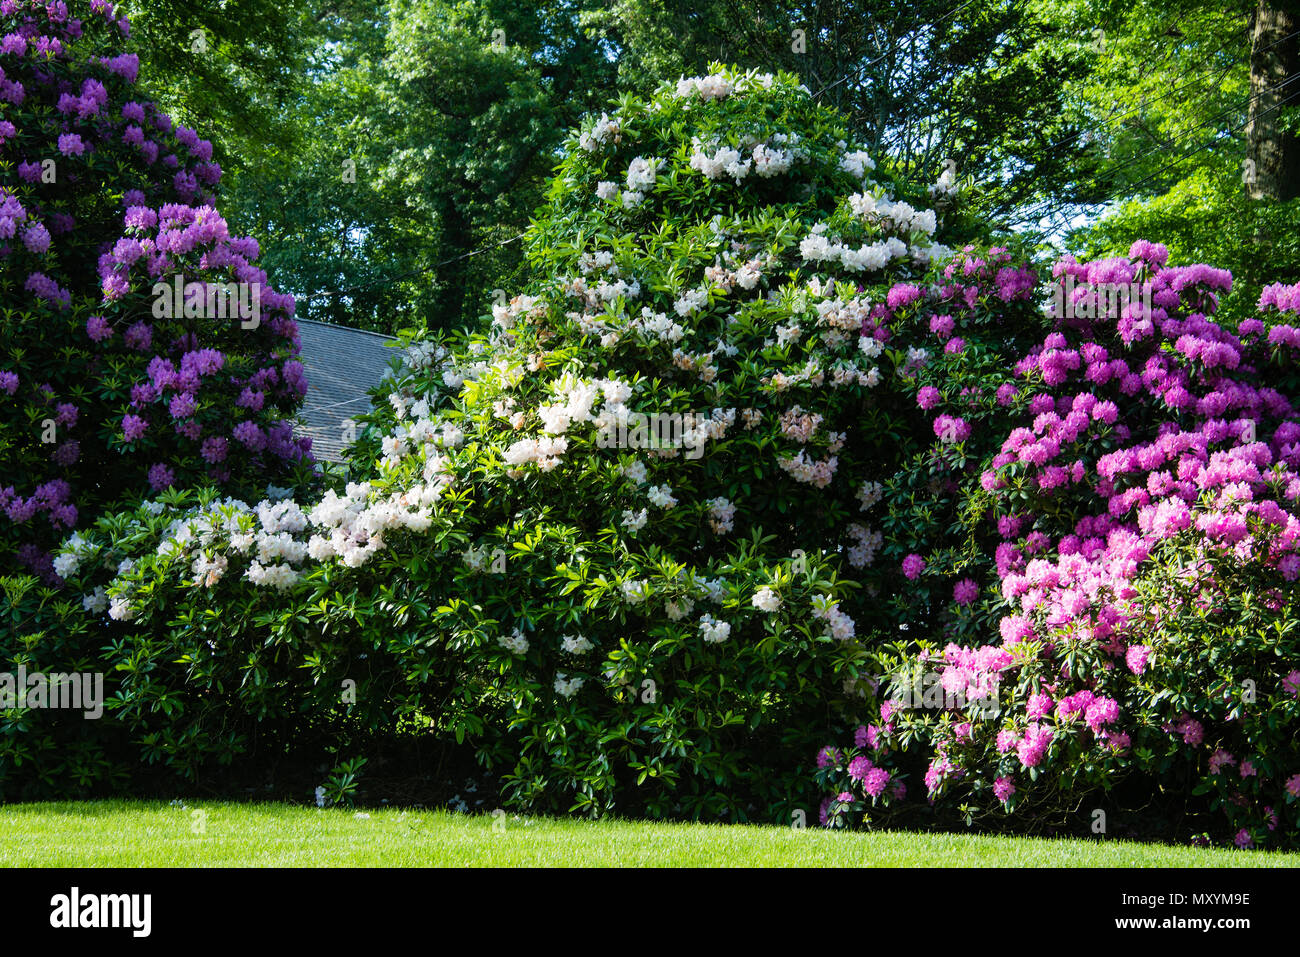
(752, 460)
(112, 388)
(1137, 628)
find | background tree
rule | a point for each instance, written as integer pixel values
(1187, 101)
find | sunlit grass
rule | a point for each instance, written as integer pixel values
(154, 834)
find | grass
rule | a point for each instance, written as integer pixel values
(154, 834)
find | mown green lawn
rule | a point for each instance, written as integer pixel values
(154, 834)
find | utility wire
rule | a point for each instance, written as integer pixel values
(414, 272)
(892, 51)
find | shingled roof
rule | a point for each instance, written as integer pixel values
(342, 365)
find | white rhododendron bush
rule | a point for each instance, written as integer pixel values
(686, 511)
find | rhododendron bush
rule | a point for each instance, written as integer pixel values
(1142, 593)
(676, 534)
(609, 624)
(107, 396)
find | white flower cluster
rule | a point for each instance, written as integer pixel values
(747, 275)
(916, 359)
(785, 335)
(765, 159)
(576, 644)
(900, 216)
(619, 289)
(657, 326)
(604, 291)
(603, 131)
(281, 577)
(816, 247)
(641, 173)
(869, 494)
(945, 188)
(601, 260)
(678, 608)
(715, 86)
(452, 377)
(506, 314)
(811, 373)
(423, 355)
(72, 553)
(120, 609)
(841, 315)
(838, 624)
(615, 414)
(714, 631)
(714, 589)
(692, 301)
(766, 600)
(771, 161)
(96, 601)
(635, 590)
(352, 527)
(515, 643)
(567, 686)
(722, 514)
(934, 252)
(698, 429)
(544, 453)
(845, 374)
(576, 397)
(867, 543)
(504, 409)
(203, 527)
(857, 163)
(635, 521)
(209, 570)
(803, 468)
(700, 363)
(661, 496)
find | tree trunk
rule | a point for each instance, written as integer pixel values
(456, 235)
(1272, 170)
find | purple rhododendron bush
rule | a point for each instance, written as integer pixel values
(759, 496)
(112, 388)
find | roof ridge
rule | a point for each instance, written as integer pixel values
(331, 325)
